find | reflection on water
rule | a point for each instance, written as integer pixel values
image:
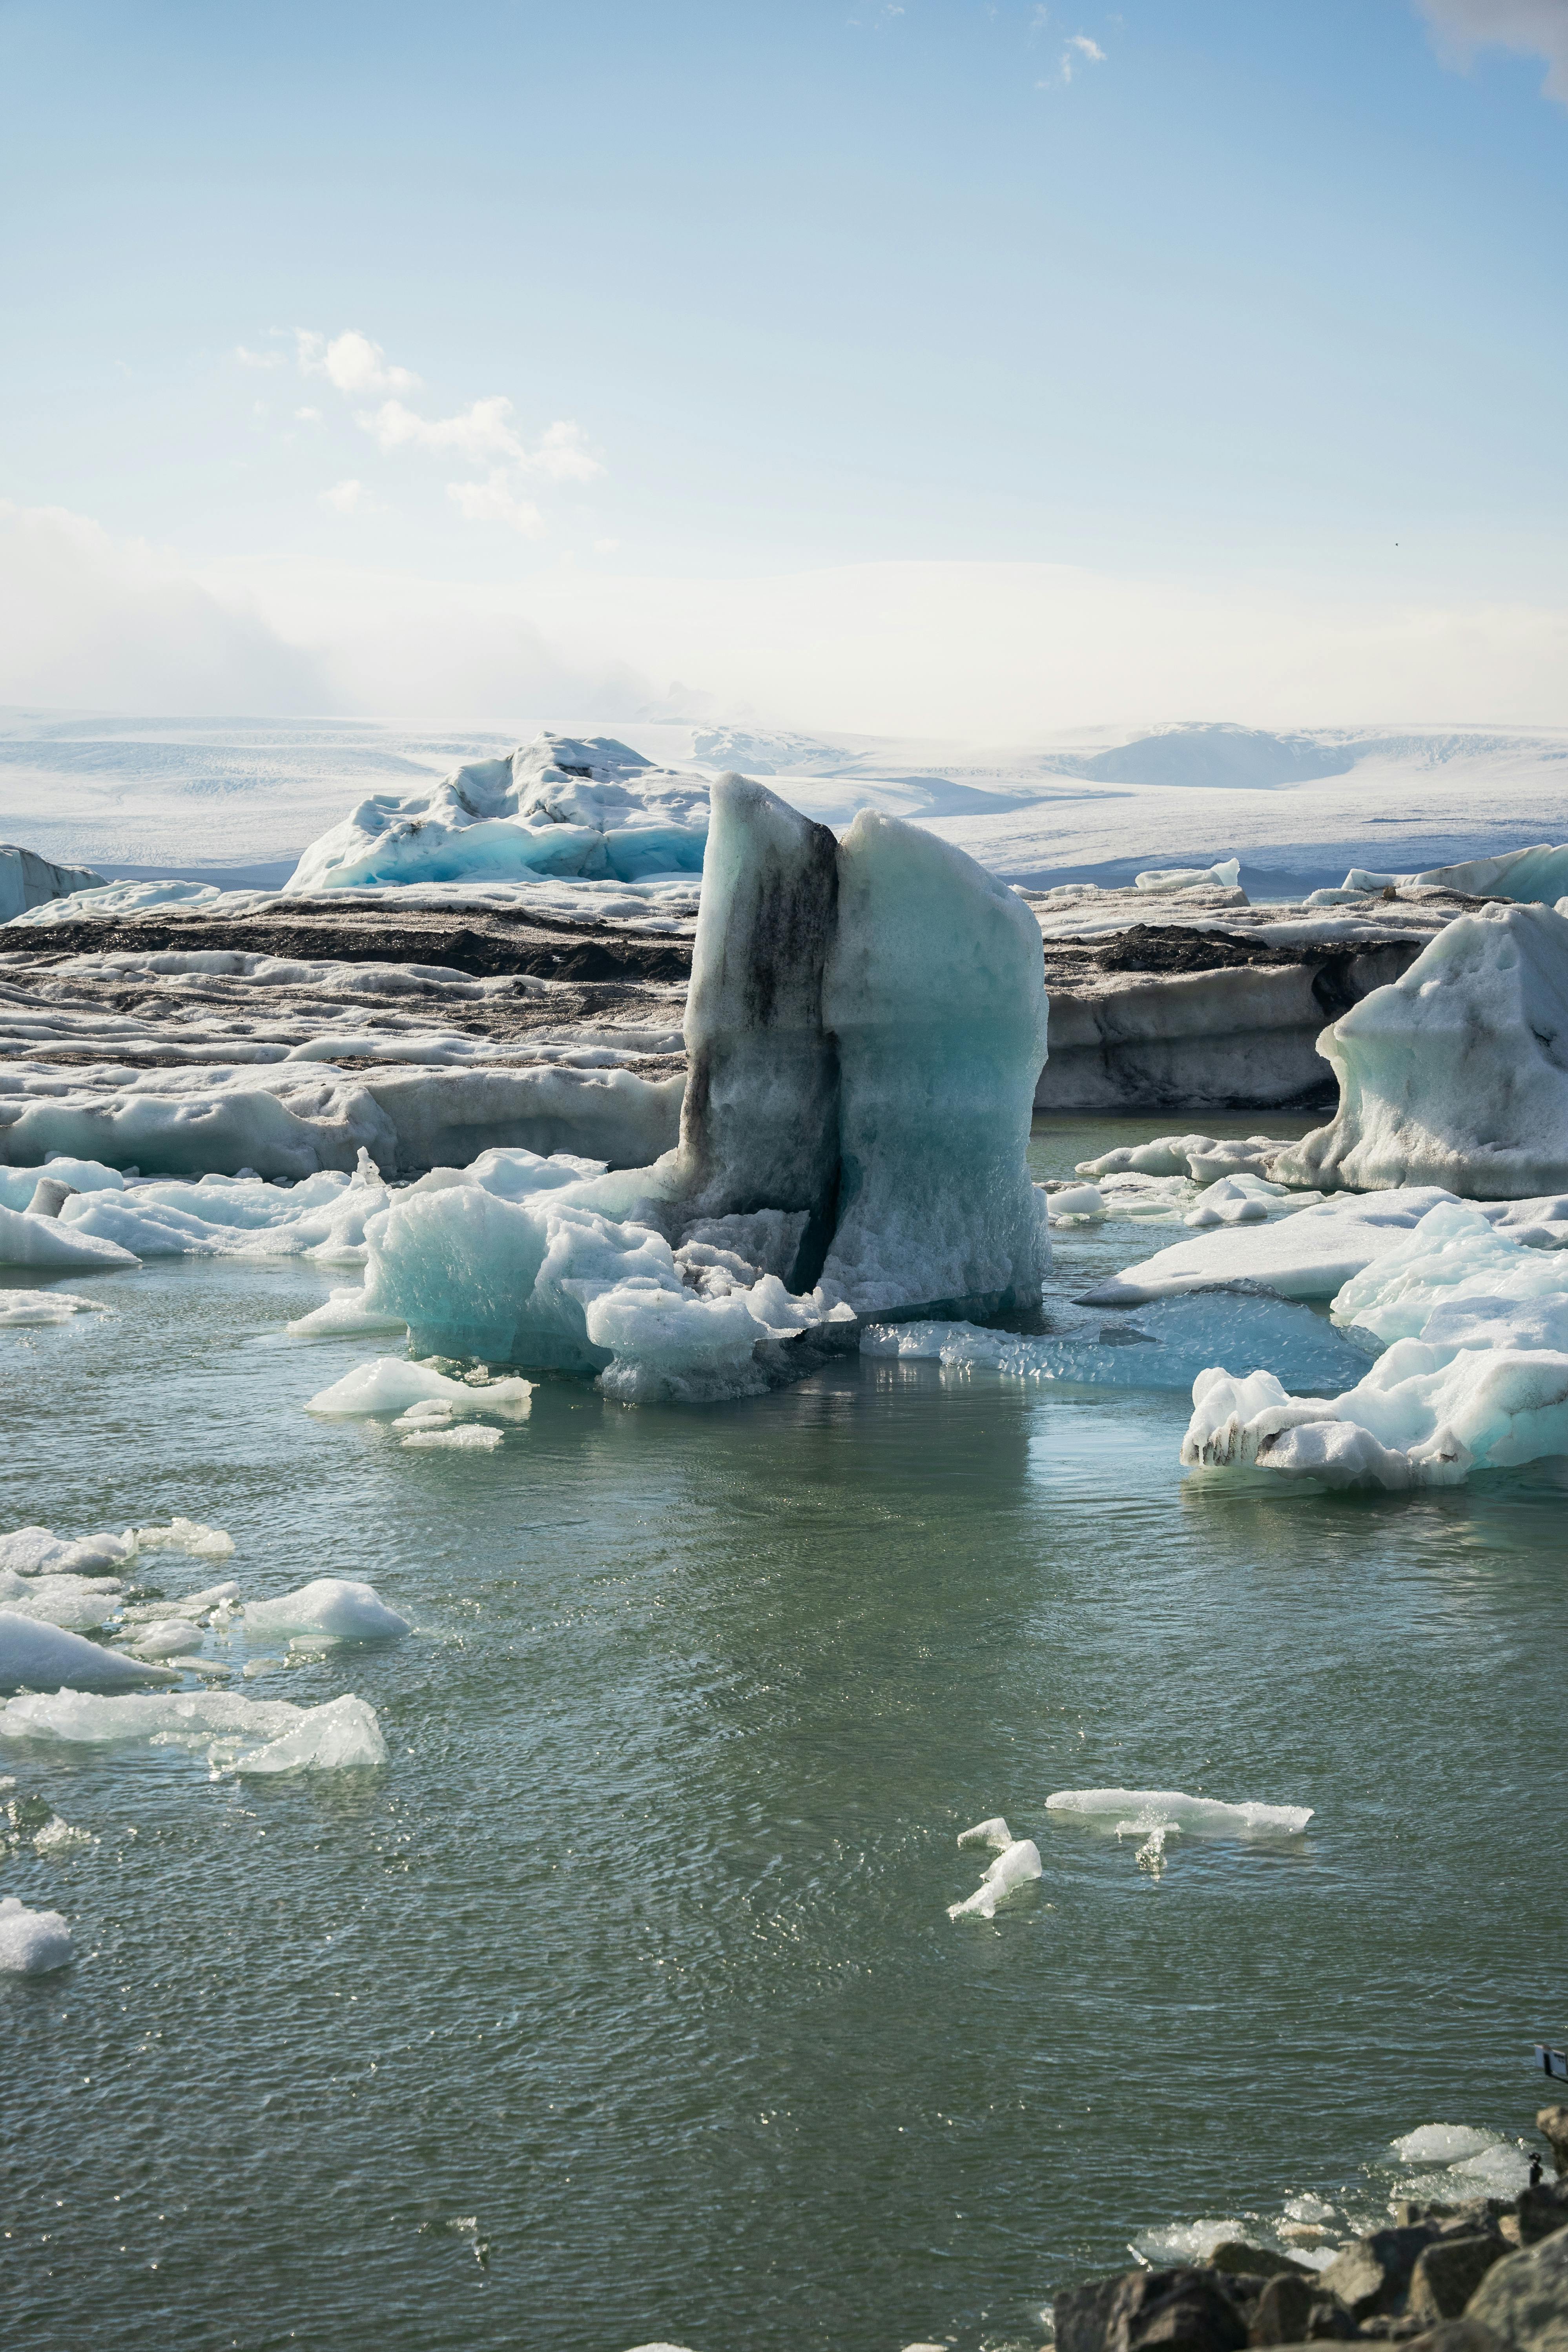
(634, 1968)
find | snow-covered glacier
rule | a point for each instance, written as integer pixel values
(593, 810)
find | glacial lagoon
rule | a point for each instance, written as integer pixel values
(623, 2004)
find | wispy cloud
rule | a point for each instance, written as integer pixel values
(1529, 28)
(259, 359)
(484, 434)
(1078, 50)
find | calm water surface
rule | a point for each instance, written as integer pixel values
(624, 2003)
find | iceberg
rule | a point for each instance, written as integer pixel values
(54, 1246)
(242, 1735)
(1456, 1074)
(338, 1606)
(1225, 875)
(34, 1656)
(32, 1943)
(1310, 1254)
(864, 1025)
(1474, 1375)
(28, 880)
(592, 810)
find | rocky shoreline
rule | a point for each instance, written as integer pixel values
(1487, 2275)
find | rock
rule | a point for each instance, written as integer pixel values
(1447, 2273)
(1236, 2255)
(1523, 2299)
(1371, 2276)
(1293, 2309)
(1542, 2210)
(1455, 2335)
(1552, 2123)
(1180, 2310)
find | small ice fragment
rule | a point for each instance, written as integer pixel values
(470, 1439)
(34, 1656)
(57, 1836)
(189, 1605)
(254, 1666)
(183, 1535)
(342, 1732)
(340, 1736)
(1187, 2241)
(1308, 2208)
(1443, 2143)
(1075, 1201)
(335, 1605)
(32, 1942)
(992, 1833)
(1206, 1815)
(390, 1384)
(217, 1667)
(1020, 1862)
(167, 1638)
(344, 1313)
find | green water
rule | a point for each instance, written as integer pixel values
(632, 1975)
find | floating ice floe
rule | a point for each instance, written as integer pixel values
(342, 1316)
(1309, 1255)
(1202, 1816)
(337, 1606)
(34, 1656)
(593, 809)
(1456, 1074)
(54, 1246)
(241, 1734)
(1226, 875)
(1163, 1344)
(20, 1308)
(390, 1385)
(32, 1943)
(992, 1833)
(1201, 1157)
(1013, 1867)
(1073, 1201)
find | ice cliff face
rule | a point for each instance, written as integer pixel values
(595, 810)
(1458, 1074)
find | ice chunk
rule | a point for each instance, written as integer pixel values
(252, 1734)
(189, 1605)
(934, 989)
(1013, 1867)
(37, 1656)
(32, 1942)
(79, 1603)
(992, 1833)
(1442, 2143)
(468, 1439)
(31, 1551)
(1309, 1255)
(30, 1240)
(44, 1307)
(1076, 1201)
(165, 1637)
(1540, 872)
(343, 1314)
(392, 1384)
(1226, 875)
(58, 1836)
(183, 1535)
(1458, 1073)
(1205, 1816)
(347, 1610)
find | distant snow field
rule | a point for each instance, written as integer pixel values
(239, 800)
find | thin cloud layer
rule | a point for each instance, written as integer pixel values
(1530, 28)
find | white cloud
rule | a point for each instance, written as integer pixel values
(307, 416)
(346, 497)
(257, 359)
(1532, 29)
(88, 620)
(351, 361)
(1081, 51)
(496, 500)
(479, 432)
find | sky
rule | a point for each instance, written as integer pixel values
(956, 368)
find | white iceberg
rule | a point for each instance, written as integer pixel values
(595, 810)
(38, 1656)
(41, 1309)
(390, 1384)
(243, 1735)
(1205, 1816)
(52, 1244)
(1309, 1255)
(1225, 875)
(1013, 1867)
(1456, 1075)
(32, 1943)
(339, 1606)
(992, 1833)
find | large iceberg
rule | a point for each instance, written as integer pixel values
(865, 1027)
(1474, 1375)
(595, 810)
(1458, 1073)
(28, 880)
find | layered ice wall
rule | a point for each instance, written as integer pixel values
(593, 810)
(1458, 1073)
(934, 993)
(28, 880)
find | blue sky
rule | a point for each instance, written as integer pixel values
(1231, 300)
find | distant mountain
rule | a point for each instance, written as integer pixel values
(1235, 759)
